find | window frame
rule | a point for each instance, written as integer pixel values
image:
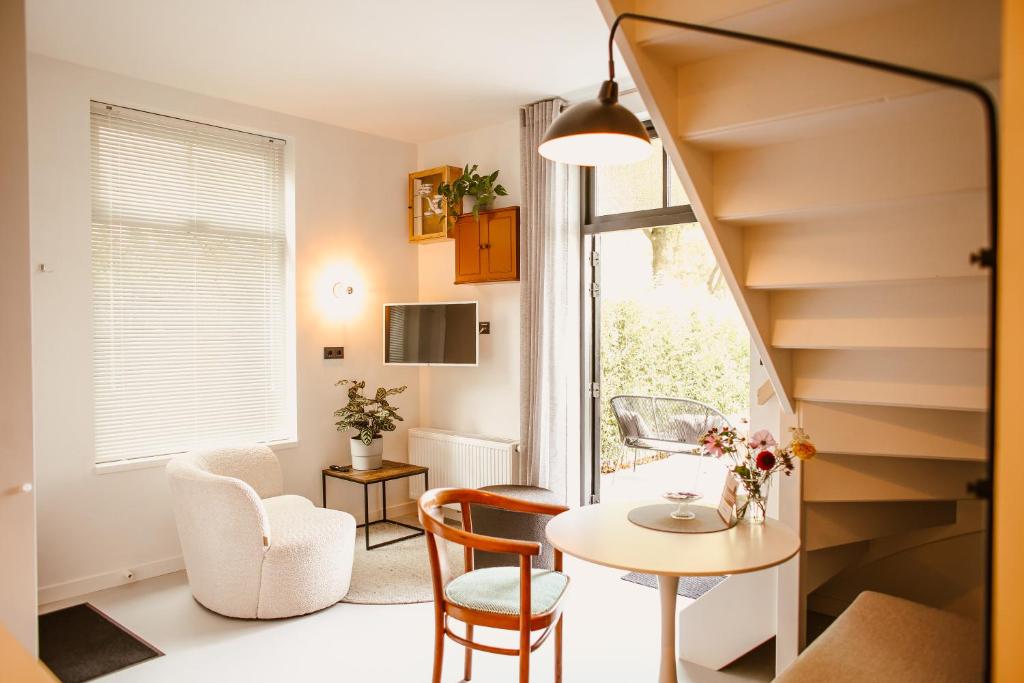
(593, 224)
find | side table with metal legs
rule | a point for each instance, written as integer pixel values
(390, 470)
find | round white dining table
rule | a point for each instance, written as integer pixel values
(602, 534)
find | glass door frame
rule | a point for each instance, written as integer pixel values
(592, 227)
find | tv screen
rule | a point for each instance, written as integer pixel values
(431, 334)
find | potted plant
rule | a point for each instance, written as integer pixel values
(482, 188)
(370, 417)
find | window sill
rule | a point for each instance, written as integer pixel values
(161, 460)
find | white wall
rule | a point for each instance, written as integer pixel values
(484, 399)
(350, 216)
(17, 508)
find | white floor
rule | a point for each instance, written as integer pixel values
(611, 634)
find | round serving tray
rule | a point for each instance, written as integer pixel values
(659, 517)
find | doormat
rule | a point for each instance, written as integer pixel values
(81, 643)
(689, 586)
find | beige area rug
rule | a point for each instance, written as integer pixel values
(395, 574)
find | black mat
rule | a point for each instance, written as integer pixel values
(81, 643)
(689, 586)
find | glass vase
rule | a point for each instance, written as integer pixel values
(754, 507)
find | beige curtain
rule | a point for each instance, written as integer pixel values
(550, 255)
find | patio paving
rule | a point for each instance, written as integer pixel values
(675, 473)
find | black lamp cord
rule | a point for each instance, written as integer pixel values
(985, 258)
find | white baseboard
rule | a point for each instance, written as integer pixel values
(406, 508)
(90, 584)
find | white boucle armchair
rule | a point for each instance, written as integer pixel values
(250, 551)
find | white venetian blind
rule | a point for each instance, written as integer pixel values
(189, 263)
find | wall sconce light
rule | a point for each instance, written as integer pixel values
(339, 292)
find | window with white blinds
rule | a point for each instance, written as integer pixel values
(190, 262)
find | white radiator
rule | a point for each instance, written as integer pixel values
(460, 460)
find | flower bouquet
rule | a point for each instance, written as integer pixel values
(754, 461)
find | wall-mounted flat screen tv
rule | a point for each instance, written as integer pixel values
(431, 334)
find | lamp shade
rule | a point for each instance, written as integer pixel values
(598, 132)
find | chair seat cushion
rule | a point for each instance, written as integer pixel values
(308, 563)
(285, 503)
(496, 589)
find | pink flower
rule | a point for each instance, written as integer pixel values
(765, 461)
(712, 445)
(762, 439)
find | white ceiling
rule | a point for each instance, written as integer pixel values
(414, 70)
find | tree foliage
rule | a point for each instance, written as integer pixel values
(681, 338)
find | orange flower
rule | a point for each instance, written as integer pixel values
(804, 450)
(802, 447)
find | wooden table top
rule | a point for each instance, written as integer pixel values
(389, 470)
(602, 534)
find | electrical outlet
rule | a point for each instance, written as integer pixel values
(485, 328)
(334, 352)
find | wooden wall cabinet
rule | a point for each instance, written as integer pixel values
(487, 250)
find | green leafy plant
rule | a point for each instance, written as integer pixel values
(482, 188)
(368, 416)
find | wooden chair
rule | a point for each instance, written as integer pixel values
(516, 599)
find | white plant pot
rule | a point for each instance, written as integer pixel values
(367, 457)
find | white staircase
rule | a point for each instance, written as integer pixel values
(842, 205)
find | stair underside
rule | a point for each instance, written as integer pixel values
(951, 314)
(833, 478)
(919, 239)
(895, 432)
(824, 564)
(937, 154)
(915, 378)
(833, 524)
(873, 27)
